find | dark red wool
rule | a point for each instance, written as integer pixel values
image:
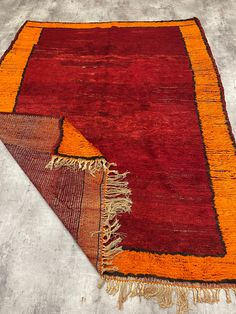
(133, 98)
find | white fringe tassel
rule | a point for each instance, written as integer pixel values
(91, 165)
(166, 295)
(116, 201)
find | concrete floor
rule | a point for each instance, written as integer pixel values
(42, 271)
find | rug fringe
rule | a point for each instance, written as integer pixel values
(116, 201)
(91, 165)
(166, 295)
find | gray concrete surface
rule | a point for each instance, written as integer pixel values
(42, 271)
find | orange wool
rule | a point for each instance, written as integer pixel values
(13, 65)
(109, 24)
(73, 143)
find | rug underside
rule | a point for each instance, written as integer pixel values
(92, 112)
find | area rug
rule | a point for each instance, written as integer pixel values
(123, 129)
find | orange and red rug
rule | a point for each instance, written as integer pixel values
(93, 112)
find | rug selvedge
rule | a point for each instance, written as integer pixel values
(139, 273)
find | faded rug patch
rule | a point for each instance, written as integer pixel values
(95, 111)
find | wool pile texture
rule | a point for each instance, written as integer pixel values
(122, 127)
